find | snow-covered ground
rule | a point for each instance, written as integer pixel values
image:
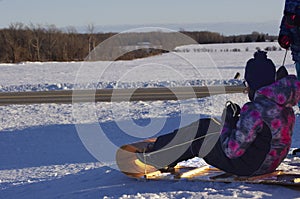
(43, 150)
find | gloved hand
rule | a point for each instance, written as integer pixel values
(231, 114)
(284, 41)
(281, 73)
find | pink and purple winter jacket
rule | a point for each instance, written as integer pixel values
(271, 107)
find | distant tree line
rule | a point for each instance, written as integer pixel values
(206, 37)
(21, 42)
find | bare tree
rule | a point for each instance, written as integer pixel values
(13, 38)
(37, 40)
(90, 30)
(52, 41)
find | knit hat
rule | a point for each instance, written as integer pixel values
(259, 72)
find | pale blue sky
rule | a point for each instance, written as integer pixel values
(63, 13)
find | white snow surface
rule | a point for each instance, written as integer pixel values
(43, 155)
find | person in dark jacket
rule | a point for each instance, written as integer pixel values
(289, 35)
(251, 140)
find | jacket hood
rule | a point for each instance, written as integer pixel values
(285, 92)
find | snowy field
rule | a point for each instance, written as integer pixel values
(43, 150)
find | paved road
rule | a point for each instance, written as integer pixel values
(115, 95)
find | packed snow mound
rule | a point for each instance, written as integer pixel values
(117, 85)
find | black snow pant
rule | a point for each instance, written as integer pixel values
(201, 139)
